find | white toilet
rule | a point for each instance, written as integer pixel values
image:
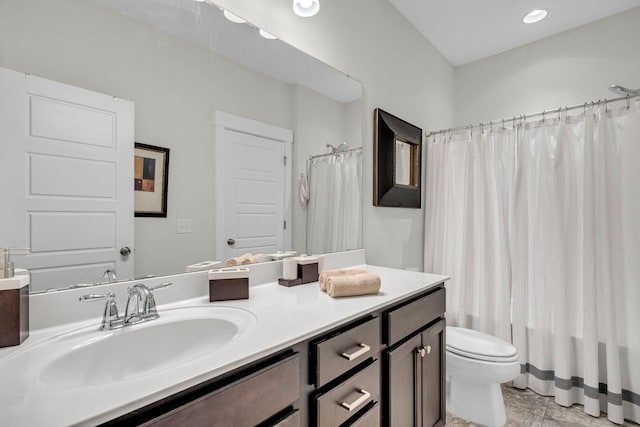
(477, 364)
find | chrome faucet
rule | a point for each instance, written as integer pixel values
(110, 275)
(110, 318)
(141, 306)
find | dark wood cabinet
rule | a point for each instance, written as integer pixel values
(414, 367)
(415, 385)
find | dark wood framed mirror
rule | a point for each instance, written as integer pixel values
(397, 161)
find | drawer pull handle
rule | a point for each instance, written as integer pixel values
(359, 401)
(362, 350)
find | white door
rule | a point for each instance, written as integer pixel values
(66, 168)
(254, 186)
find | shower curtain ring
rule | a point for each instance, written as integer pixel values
(544, 112)
(503, 127)
(628, 102)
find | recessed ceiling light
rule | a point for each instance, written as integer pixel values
(233, 17)
(534, 16)
(306, 8)
(267, 35)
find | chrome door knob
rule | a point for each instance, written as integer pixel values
(231, 242)
(125, 251)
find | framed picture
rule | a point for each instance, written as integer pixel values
(150, 180)
(397, 162)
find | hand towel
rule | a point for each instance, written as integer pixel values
(254, 259)
(304, 190)
(322, 280)
(358, 284)
(239, 260)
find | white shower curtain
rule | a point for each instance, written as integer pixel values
(334, 210)
(539, 227)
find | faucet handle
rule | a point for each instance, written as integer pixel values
(110, 317)
(160, 286)
(150, 305)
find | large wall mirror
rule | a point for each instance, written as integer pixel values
(181, 62)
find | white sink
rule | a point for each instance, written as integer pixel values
(87, 357)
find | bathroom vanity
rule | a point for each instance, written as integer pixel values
(297, 358)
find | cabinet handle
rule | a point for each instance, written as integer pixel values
(359, 401)
(362, 350)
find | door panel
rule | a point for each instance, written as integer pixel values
(402, 391)
(68, 156)
(254, 186)
(433, 386)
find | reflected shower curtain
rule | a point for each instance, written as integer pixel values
(334, 211)
(547, 216)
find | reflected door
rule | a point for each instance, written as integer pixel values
(67, 162)
(255, 187)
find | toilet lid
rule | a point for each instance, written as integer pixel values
(480, 346)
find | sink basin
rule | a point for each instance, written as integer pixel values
(88, 357)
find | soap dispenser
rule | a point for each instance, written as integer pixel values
(14, 301)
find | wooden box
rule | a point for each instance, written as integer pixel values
(228, 284)
(14, 311)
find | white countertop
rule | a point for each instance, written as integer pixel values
(283, 317)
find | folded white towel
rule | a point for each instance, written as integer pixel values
(239, 260)
(358, 284)
(322, 280)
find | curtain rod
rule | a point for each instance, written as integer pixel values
(334, 154)
(540, 113)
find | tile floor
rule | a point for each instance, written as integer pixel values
(528, 409)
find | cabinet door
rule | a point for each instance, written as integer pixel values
(432, 376)
(402, 388)
(415, 380)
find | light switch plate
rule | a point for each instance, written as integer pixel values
(184, 226)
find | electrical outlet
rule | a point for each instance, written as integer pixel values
(184, 226)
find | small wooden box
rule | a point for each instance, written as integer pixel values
(228, 284)
(228, 289)
(289, 282)
(308, 272)
(14, 313)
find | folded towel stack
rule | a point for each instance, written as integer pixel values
(322, 280)
(239, 260)
(342, 283)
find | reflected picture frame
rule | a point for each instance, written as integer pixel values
(150, 180)
(397, 162)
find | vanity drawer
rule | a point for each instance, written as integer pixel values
(337, 354)
(291, 419)
(340, 403)
(371, 418)
(402, 321)
(246, 402)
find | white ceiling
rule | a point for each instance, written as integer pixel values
(467, 30)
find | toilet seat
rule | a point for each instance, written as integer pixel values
(479, 346)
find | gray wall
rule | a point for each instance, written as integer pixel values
(401, 72)
(569, 68)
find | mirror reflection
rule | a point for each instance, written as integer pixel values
(181, 66)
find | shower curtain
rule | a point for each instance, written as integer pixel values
(334, 210)
(539, 227)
